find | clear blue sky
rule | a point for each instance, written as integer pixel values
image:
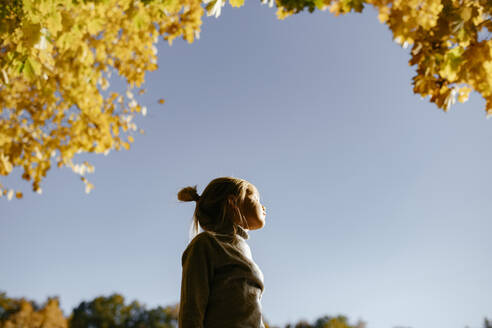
(378, 203)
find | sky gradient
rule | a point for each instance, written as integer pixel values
(378, 202)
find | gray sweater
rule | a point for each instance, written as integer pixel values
(221, 286)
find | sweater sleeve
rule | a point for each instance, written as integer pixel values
(195, 283)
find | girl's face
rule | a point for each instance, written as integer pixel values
(252, 209)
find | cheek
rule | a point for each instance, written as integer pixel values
(258, 212)
(252, 210)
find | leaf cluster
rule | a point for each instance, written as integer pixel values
(113, 312)
(101, 312)
(56, 62)
(339, 321)
(450, 41)
(16, 313)
(57, 58)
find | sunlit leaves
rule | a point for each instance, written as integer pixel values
(22, 313)
(56, 62)
(111, 312)
(450, 39)
(57, 58)
(236, 3)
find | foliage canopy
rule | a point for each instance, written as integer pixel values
(17, 313)
(113, 312)
(102, 311)
(450, 39)
(57, 57)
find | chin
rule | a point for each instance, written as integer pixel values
(259, 225)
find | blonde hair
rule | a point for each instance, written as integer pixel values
(213, 207)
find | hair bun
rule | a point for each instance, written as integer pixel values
(188, 194)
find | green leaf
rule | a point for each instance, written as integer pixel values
(18, 66)
(451, 64)
(320, 4)
(141, 19)
(31, 68)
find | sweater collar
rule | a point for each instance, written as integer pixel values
(240, 231)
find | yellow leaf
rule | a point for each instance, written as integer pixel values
(282, 13)
(463, 94)
(383, 15)
(54, 22)
(236, 3)
(466, 13)
(31, 68)
(94, 26)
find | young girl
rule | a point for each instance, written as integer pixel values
(221, 286)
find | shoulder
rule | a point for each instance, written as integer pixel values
(204, 238)
(201, 245)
